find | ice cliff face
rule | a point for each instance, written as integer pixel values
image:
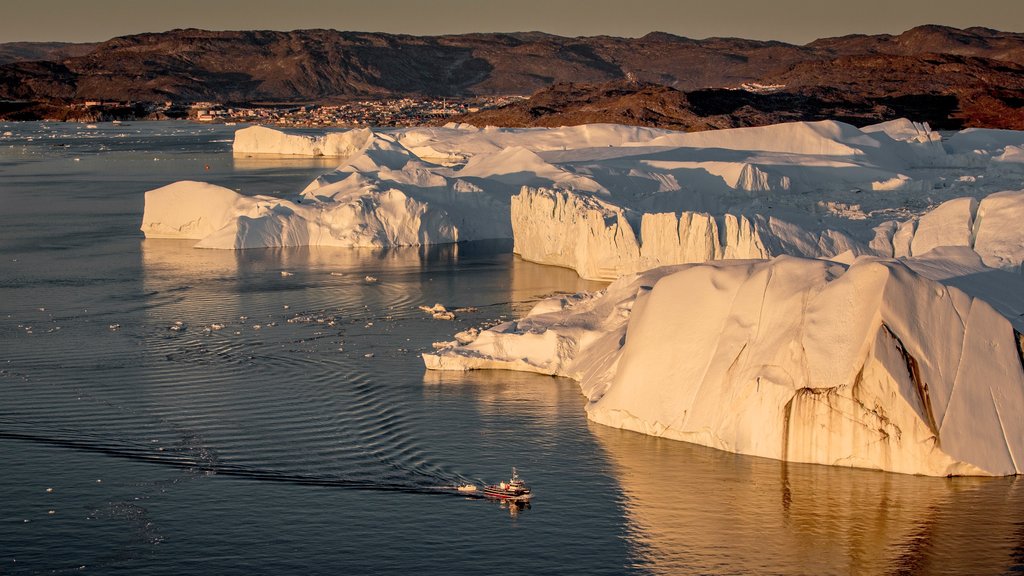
(600, 240)
(261, 140)
(989, 227)
(870, 365)
(603, 241)
(607, 200)
(221, 218)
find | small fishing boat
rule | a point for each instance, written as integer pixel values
(515, 489)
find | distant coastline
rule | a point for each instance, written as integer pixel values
(945, 76)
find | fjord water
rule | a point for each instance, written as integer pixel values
(167, 410)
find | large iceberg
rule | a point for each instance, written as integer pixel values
(866, 365)
(607, 200)
(810, 292)
(602, 240)
(382, 194)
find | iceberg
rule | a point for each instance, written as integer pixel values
(868, 365)
(809, 292)
(262, 140)
(607, 200)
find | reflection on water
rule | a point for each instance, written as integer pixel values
(238, 436)
(525, 277)
(693, 509)
(180, 257)
(246, 162)
(496, 392)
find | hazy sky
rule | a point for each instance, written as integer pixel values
(796, 21)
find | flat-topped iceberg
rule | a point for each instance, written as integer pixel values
(262, 140)
(607, 200)
(869, 365)
(602, 240)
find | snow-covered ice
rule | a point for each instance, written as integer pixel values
(815, 189)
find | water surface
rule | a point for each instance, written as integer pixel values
(167, 410)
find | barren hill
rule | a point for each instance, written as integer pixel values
(971, 76)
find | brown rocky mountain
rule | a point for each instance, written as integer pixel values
(980, 42)
(27, 51)
(644, 104)
(968, 77)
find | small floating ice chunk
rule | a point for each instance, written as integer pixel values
(371, 279)
(49, 490)
(368, 355)
(216, 326)
(178, 326)
(286, 273)
(114, 326)
(438, 312)
(467, 336)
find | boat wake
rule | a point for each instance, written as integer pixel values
(201, 466)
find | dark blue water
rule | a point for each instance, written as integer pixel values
(166, 410)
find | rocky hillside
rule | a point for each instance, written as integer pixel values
(972, 76)
(27, 51)
(947, 91)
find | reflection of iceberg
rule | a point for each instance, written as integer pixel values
(524, 395)
(693, 510)
(276, 161)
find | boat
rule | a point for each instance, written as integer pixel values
(466, 488)
(514, 490)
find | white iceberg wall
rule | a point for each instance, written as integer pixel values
(189, 209)
(949, 224)
(803, 360)
(999, 230)
(598, 239)
(806, 188)
(579, 232)
(221, 218)
(990, 227)
(799, 360)
(262, 140)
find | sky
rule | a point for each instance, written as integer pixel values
(794, 21)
